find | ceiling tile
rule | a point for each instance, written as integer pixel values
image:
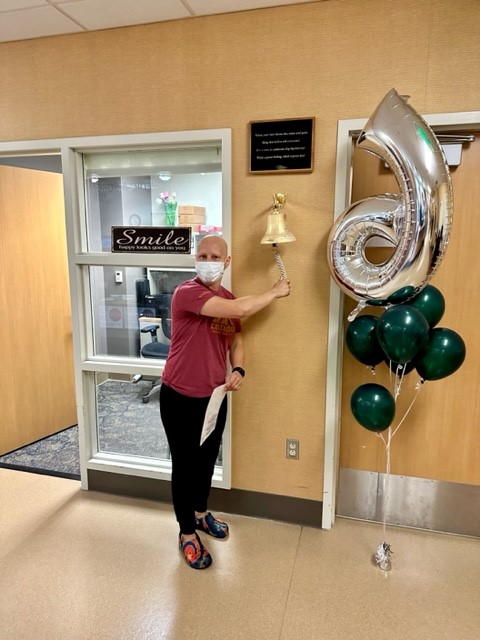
(12, 5)
(105, 14)
(208, 7)
(25, 19)
(34, 23)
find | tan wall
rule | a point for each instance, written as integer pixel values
(331, 60)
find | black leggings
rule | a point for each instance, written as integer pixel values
(192, 465)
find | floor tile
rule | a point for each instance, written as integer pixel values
(77, 565)
(338, 592)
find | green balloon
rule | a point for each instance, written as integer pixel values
(401, 295)
(361, 340)
(398, 296)
(431, 303)
(443, 354)
(373, 406)
(402, 331)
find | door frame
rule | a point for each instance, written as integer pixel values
(346, 132)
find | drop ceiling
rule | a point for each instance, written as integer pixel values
(26, 19)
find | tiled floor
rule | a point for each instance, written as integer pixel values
(78, 565)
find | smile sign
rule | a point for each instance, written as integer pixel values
(151, 239)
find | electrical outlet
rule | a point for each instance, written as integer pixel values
(293, 449)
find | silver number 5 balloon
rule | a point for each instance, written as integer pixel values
(417, 222)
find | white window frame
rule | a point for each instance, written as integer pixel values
(71, 151)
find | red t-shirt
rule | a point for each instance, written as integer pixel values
(197, 359)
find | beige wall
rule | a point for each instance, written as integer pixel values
(331, 60)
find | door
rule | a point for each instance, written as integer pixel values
(435, 455)
(37, 394)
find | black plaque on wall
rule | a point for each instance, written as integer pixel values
(149, 239)
(282, 145)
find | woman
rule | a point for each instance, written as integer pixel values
(206, 352)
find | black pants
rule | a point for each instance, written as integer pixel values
(192, 465)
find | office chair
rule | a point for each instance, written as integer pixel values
(153, 306)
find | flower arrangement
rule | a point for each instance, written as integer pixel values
(168, 197)
(170, 203)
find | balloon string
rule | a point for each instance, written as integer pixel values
(418, 387)
(387, 479)
(399, 375)
(399, 380)
(388, 444)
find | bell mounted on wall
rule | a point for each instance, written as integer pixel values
(277, 232)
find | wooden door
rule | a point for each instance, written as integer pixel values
(37, 394)
(440, 438)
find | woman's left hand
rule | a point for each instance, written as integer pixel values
(234, 381)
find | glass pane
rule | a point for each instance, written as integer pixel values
(128, 417)
(131, 309)
(166, 187)
(126, 423)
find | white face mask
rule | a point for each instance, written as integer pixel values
(209, 272)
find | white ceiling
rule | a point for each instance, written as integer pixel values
(25, 19)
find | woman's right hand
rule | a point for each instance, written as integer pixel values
(282, 288)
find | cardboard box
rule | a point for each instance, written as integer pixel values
(190, 218)
(190, 209)
(191, 215)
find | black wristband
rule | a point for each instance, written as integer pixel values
(240, 371)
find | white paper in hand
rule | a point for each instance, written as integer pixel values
(211, 414)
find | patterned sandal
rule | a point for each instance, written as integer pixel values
(213, 527)
(195, 554)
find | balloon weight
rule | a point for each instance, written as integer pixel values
(443, 354)
(373, 406)
(361, 340)
(402, 331)
(431, 303)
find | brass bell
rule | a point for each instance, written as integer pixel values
(277, 231)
